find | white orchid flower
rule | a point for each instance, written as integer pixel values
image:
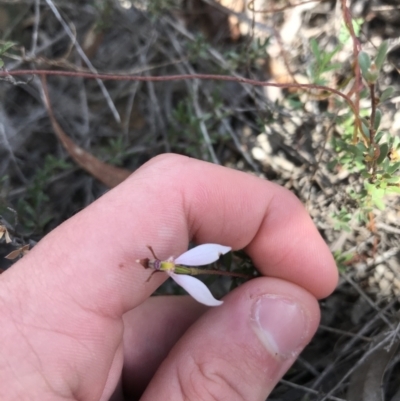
(182, 275)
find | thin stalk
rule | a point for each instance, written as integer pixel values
(372, 131)
(196, 272)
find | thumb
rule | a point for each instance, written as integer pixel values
(240, 350)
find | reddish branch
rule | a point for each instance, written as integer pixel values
(356, 50)
(122, 77)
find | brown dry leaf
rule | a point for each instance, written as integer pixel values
(4, 232)
(366, 383)
(236, 6)
(18, 252)
(92, 41)
(109, 175)
(4, 18)
(215, 24)
(279, 65)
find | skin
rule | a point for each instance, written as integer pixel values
(76, 311)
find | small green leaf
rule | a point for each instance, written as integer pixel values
(393, 168)
(5, 47)
(386, 94)
(368, 186)
(371, 75)
(381, 55)
(384, 149)
(365, 62)
(315, 49)
(365, 129)
(355, 150)
(29, 210)
(361, 147)
(393, 180)
(379, 136)
(333, 67)
(385, 165)
(376, 192)
(379, 203)
(378, 118)
(394, 189)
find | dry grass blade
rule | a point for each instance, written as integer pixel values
(366, 382)
(4, 232)
(109, 175)
(22, 251)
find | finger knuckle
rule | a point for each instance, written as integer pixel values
(210, 379)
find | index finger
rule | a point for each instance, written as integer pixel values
(169, 201)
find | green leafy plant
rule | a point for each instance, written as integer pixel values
(188, 128)
(342, 260)
(157, 7)
(3, 49)
(322, 63)
(104, 9)
(34, 210)
(115, 151)
(198, 48)
(342, 220)
(362, 148)
(247, 54)
(323, 60)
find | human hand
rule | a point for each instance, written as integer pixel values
(76, 310)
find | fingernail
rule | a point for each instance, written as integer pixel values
(281, 324)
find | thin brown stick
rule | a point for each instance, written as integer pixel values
(357, 80)
(196, 272)
(372, 129)
(122, 77)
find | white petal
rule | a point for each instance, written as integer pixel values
(202, 255)
(196, 288)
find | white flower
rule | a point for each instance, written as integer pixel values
(176, 268)
(198, 256)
